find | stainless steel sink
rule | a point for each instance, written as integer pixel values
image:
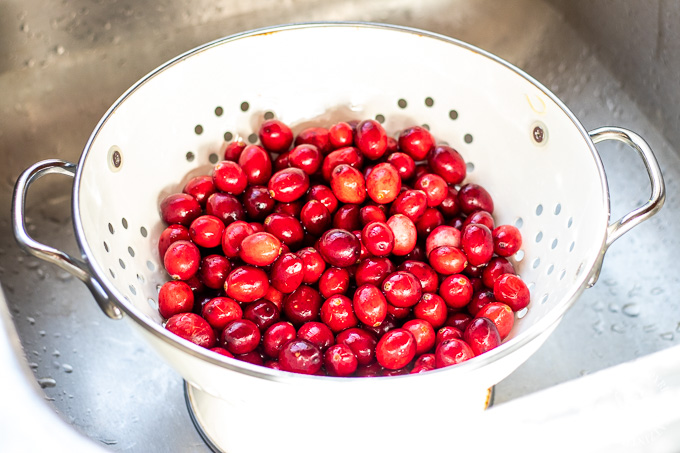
(62, 66)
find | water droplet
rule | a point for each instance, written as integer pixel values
(668, 336)
(649, 328)
(632, 310)
(618, 328)
(67, 368)
(64, 276)
(41, 273)
(598, 306)
(33, 365)
(42, 333)
(36, 353)
(656, 291)
(613, 308)
(56, 353)
(610, 282)
(677, 328)
(598, 327)
(30, 320)
(32, 264)
(60, 50)
(108, 441)
(47, 383)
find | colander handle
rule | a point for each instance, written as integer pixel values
(658, 196)
(66, 262)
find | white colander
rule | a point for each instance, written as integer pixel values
(520, 141)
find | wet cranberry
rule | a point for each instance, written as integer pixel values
(507, 240)
(300, 356)
(263, 313)
(182, 260)
(229, 177)
(423, 333)
(341, 135)
(317, 333)
(275, 136)
(348, 217)
(427, 276)
(501, 315)
(350, 156)
(339, 248)
(222, 351)
(449, 207)
(447, 163)
(220, 311)
(370, 306)
(511, 290)
(435, 188)
(302, 305)
(481, 335)
(497, 266)
(287, 273)
(373, 271)
(193, 328)
(234, 150)
(272, 364)
(225, 207)
(443, 235)
(481, 217)
(247, 284)
(282, 161)
(371, 139)
(422, 170)
(285, 228)
(325, 195)
(200, 187)
(340, 360)
(448, 332)
(313, 265)
(260, 249)
(171, 234)
(432, 309)
(214, 270)
(473, 197)
(406, 167)
(240, 336)
(416, 141)
(256, 164)
(206, 231)
(175, 297)
(233, 237)
(292, 208)
(180, 208)
(378, 238)
(458, 320)
(383, 183)
(477, 244)
(257, 202)
(411, 203)
(456, 290)
(457, 222)
(275, 296)
(402, 289)
(253, 357)
(479, 300)
(288, 184)
(430, 220)
(477, 284)
(198, 288)
(276, 336)
(335, 280)
(348, 184)
(316, 136)
(315, 217)
(338, 314)
(400, 313)
(307, 158)
(405, 234)
(361, 342)
(372, 213)
(451, 352)
(396, 349)
(447, 260)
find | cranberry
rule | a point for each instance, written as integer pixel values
(400, 313)
(416, 141)
(285, 228)
(481, 217)
(372, 213)
(432, 309)
(292, 208)
(197, 287)
(338, 314)
(497, 266)
(396, 349)
(335, 280)
(275, 136)
(225, 207)
(459, 320)
(260, 249)
(171, 234)
(287, 273)
(348, 217)
(457, 222)
(325, 195)
(427, 276)
(405, 234)
(350, 156)
(193, 328)
(317, 333)
(477, 243)
(511, 290)
(220, 311)
(422, 170)
(435, 188)
(272, 364)
(300, 356)
(361, 342)
(233, 150)
(479, 300)
(247, 284)
(370, 306)
(302, 305)
(175, 297)
(501, 315)
(371, 139)
(257, 202)
(276, 336)
(339, 248)
(430, 220)
(423, 332)
(373, 271)
(473, 197)
(229, 177)
(447, 163)
(451, 352)
(180, 208)
(182, 260)
(481, 335)
(507, 240)
(411, 203)
(341, 135)
(449, 207)
(307, 158)
(348, 184)
(447, 260)
(200, 187)
(213, 271)
(233, 237)
(316, 136)
(383, 183)
(378, 238)
(456, 290)
(275, 296)
(240, 336)
(282, 161)
(313, 265)
(206, 231)
(406, 167)
(263, 313)
(441, 236)
(253, 357)
(222, 351)
(340, 360)
(256, 164)
(288, 184)
(402, 289)
(448, 332)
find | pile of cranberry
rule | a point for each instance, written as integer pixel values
(351, 254)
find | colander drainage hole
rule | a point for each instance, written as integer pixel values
(122, 263)
(453, 114)
(530, 286)
(570, 222)
(536, 263)
(151, 266)
(522, 313)
(190, 156)
(519, 256)
(519, 222)
(558, 209)
(133, 290)
(380, 118)
(131, 251)
(252, 138)
(467, 138)
(554, 244)
(563, 273)
(111, 230)
(571, 247)
(268, 115)
(213, 158)
(124, 222)
(198, 129)
(143, 232)
(539, 236)
(244, 106)
(426, 126)
(219, 111)
(112, 273)
(429, 101)
(402, 103)
(228, 136)
(152, 303)
(140, 278)
(539, 209)
(106, 247)
(470, 167)
(550, 269)
(544, 299)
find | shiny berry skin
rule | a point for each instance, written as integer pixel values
(180, 208)
(348, 184)
(213, 271)
(416, 141)
(361, 342)
(300, 356)
(253, 357)
(340, 361)
(229, 177)
(263, 313)
(447, 260)
(373, 271)
(370, 306)
(291, 208)
(315, 136)
(338, 314)
(479, 300)
(435, 188)
(276, 336)
(349, 155)
(287, 273)
(447, 163)
(315, 217)
(383, 183)
(511, 290)
(222, 351)
(459, 320)
(501, 315)
(497, 266)
(317, 333)
(456, 290)
(172, 233)
(234, 150)
(372, 213)
(339, 248)
(193, 328)
(175, 297)
(441, 236)
(286, 228)
(378, 238)
(325, 195)
(371, 139)
(281, 161)
(275, 136)
(482, 335)
(423, 333)
(451, 352)
(306, 157)
(448, 332)
(481, 217)
(429, 279)
(396, 349)
(341, 135)
(335, 280)
(260, 249)
(430, 220)
(405, 234)
(247, 284)
(313, 265)
(402, 289)
(406, 167)
(257, 202)
(240, 336)
(449, 207)
(400, 313)
(200, 187)
(182, 260)
(206, 231)
(225, 207)
(233, 237)
(411, 203)
(507, 240)
(220, 311)
(477, 244)
(275, 296)
(348, 217)
(256, 164)
(288, 184)
(302, 305)
(473, 197)
(432, 309)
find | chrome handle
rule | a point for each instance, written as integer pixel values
(66, 262)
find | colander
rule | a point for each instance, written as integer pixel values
(518, 139)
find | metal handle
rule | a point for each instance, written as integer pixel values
(66, 262)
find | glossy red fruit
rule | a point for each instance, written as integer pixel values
(317, 333)
(302, 305)
(456, 290)
(300, 356)
(361, 342)
(383, 183)
(315, 217)
(501, 315)
(479, 300)
(313, 265)
(180, 208)
(348, 184)
(339, 248)
(411, 203)
(340, 360)
(220, 311)
(335, 280)
(288, 184)
(287, 273)
(370, 305)
(416, 141)
(240, 336)
(229, 177)
(341, 135)
(399, 313)
(253, 357)
(349, 155)
(451, 352)
(206, 231)
(443, 235)
(222, 351)
(447, 163)
(291, 208)
(275, 296)
(256, 164)
(373, 271)
(348, 217)
(260, 249)
(193, 328)
(396, 349)
(175, 297)
(481, 217)
(435, 188)
(432, 309)
(225, 207)
(234, 150)
(200, 187)
(172, 233)
(263, 313)
(406, 167)
(182, 260)
(511, 290)
(281, 161)
(316, 136)
(233, 237)
(405, 234)
(477, 244)
(430, 220)
(425, 274)
(449, 207)
(372, 213)
(371, 139)
(213, 271)
(378, 239)
(497, 266)
(306, 157)
(285, 228)
(473, 197)
(247, 284)
(325, 195)
(257, 202)
(459, 320)
(402, 289)
(482, 335)
(338, 314)
(507, 240)
(447, 260)
(276, 336)
(275, 136)
(448, 332)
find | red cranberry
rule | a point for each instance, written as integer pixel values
(263, 313)
(214, 270)
(247, 284)
(338, 314)
(457, 222)
(171, 234)
(405, 234)
(396, 349)
(430, 220)
(225, 207)
(449, 207)
(447, 163)
(260, 249)
(383, 183)
(441, 236)
(416, 141)
(402, 289)
(193, 328)
(477, 243)
(300, 356)
(501, 315)
(411, 203)
(473, 197)
(302, 305)
(182, 260)
(511, 290)
(175, 297)
(313, 265)
(349, 155)
(448, 332)
(276, 336)
(317, 333)
(406, 167)
(287, 273)
(373, 271)
(275, 136)
(272, 364)
(233, 237)
(400, 313)
(371, 139)
(315, 217)
(348, 217)
(229, 177)
(222, 351)
(507, 240)
(275, 296)
(256, 164)
(370, 305)
(200, 187)
(325, 195)
(288, 184)
(451, 352)
(307, 158)
(372, 213)
(481, 335)
(340, 360)
(341, 135)
(435, 188)
(285, 228)
(282, 161)
(206, 231)
(220, 311)
(234, 150)
(292, 208)
(257, 202)
(315, 136)
(180, 208)
(335, 280)
(378, 238)
(447, 260)
(481, 217)
(479, 300)
(456, 290)
(348, 184)
(423, 333)
(432, 309)
(497, 266)
(339, 248)
(361, 342)
(425, 274)
(459, 320)
(240, 336)
(253, 357)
